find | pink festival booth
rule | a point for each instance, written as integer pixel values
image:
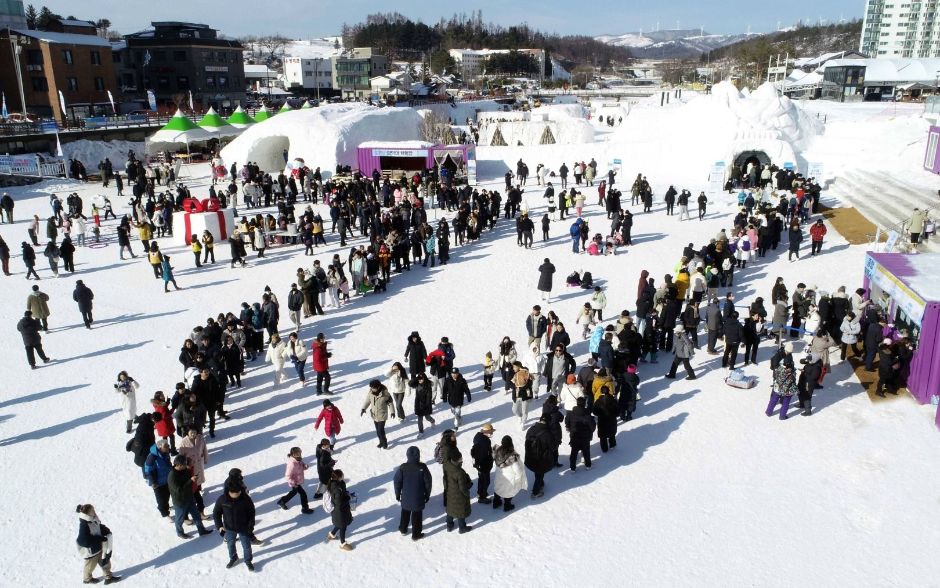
(907, 288)
(405, 157)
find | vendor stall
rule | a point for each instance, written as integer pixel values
(907, 289)
(410, 156)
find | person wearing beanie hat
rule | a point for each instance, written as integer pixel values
(629, 393)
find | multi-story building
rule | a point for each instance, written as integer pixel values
(351, 74)
(472, 62)
(175, 58)
(77, 63)
(309, 74)
(901, 28)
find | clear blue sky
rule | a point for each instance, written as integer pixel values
(325, 17)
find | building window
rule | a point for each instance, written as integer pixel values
(182, 82)
(96, 58)
(67, 56)
(40, 85)
(34, 57)
(99, 84)
(210, 81)
(163, 83)
(72, 84)
(223, 81)
(179, 56)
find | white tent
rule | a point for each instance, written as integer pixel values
(179, 131)
(217, 125)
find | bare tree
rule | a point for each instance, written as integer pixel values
(273, 45)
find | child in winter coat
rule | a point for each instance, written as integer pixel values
(294, 474)
(489, 368)
(598, 304)
(325, 463)
(332, 419)
(127, 387)
(586, 317)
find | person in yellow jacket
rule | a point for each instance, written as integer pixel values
(601, 380)
(156, 260)
(196, 247)
(145, 233)
(208, 247)
(682, 283)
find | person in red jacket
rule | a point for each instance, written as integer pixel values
(332, 420)
(816, 233)
(164, 427)
(321, 364)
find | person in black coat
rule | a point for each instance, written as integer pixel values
(806, 384)
(234, 364)
(539, 453)
(234, 516)
(554, 419)
(873, 336)
(750, 336)
(605, 351)
(209, 392)
(482, 454)
(412, 490)
(415, 353)
(888, 361)
(455, 388)
(144, 438)
(581, 426)
(342, 511)
(29, 328)
(733, 335)
(424, 400)
(607, 410)
(94, 544)
(84, 296)
(546, 270)
(67, 252)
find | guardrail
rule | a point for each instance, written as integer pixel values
(32, 166)
(898, 242)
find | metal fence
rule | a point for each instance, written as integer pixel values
(32, 166)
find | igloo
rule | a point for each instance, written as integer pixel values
(323, 137)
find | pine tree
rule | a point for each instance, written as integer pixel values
(31, 16)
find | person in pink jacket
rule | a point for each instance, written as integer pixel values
(333, 420)
(294, 474)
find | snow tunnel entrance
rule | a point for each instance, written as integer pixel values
(744, 158)
(268, 153)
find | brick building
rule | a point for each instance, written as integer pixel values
(73, 60)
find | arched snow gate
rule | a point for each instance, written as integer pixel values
(742, 159)
(268, 153)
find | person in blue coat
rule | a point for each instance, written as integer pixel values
(167, 274)
(157, 469)
(575, 233)
(412, 490)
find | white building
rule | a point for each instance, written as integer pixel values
(308, 73)
(901, 28)
(471, 62)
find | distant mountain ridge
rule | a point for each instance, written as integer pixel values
(673, 44)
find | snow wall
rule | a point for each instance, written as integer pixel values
(323, 137)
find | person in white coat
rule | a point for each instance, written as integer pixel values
(276, 357)
(743, 250)
(850, 328)
(398, 387)
(598, 304)
(570, 392)
(127, 387)
(296, 352)
(510, 476)
(535, 361)
(260, 242)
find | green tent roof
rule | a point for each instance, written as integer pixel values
(306, 105)
(212, 120)
(285, 108)
(262, 114)
(240, 117)
(179, 123)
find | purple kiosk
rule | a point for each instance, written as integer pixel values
(907, 288)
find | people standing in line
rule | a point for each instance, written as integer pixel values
(378, 401)
(94, 545)
(193, 447)
(156, 472)
(294, 475)
(412, 485)
(83, 296)
(683, 351)
(606, 409)
(510, 478)
(180, 483)
(580, 425)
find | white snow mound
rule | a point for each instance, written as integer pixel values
(328, 135)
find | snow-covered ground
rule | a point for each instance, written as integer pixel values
(702, 489)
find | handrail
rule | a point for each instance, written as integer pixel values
(900, 227)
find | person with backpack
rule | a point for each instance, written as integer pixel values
(294, 474)
(378, 401)
(580, 425)
(482, 454)
(413, 490)
(539, 453)
(340, 509)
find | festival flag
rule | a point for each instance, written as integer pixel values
(111, 100)
(191, 107)
(58, 145)
(5, 113)
(152, 100)
(62, 104)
